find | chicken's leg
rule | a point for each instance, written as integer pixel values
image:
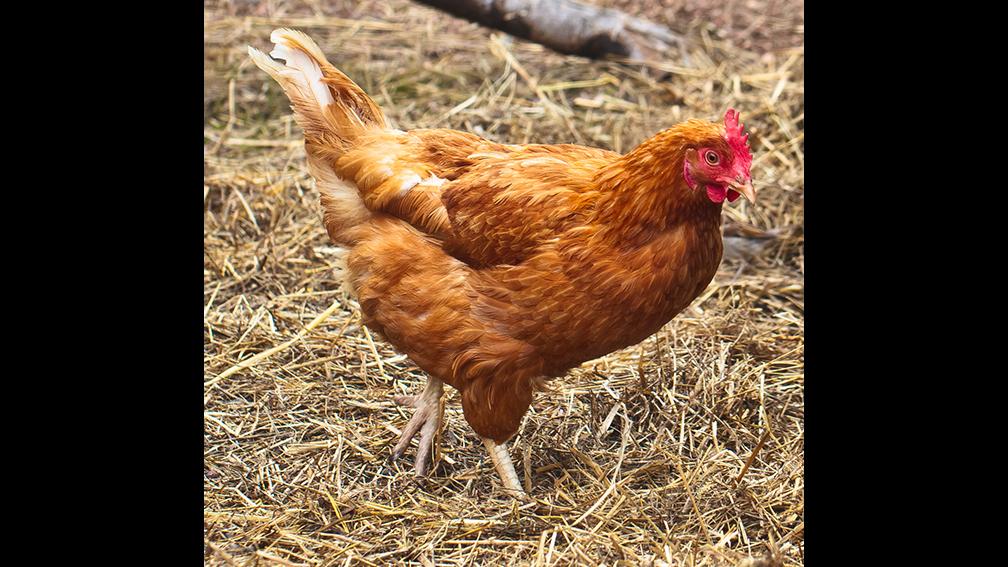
(426, 420)
(502, 462)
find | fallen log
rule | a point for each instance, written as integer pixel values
(568, 26)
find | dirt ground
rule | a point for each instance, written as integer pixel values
(686, 449)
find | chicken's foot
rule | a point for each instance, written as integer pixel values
(426, 420)
(505, 467)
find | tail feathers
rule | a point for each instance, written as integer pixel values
(330, 108)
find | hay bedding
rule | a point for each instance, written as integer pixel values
(645, 457)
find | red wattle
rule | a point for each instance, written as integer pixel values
(732, 195)
(717, 194)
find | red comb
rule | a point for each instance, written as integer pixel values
(737, 139)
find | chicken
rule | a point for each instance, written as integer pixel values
(495, 267)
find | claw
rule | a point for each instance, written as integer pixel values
(426, 420)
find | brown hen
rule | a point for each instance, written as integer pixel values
(497, 266)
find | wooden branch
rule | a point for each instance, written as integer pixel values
(568, 26)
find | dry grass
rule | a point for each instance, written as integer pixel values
(684, 450)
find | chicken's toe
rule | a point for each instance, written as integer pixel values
(426, 421)
(409, 432)
(425, 450)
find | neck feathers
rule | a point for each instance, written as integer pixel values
(643, 193)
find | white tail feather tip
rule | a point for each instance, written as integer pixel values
(303, 63)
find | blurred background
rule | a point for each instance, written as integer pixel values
(707, 415)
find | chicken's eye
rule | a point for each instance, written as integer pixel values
(712, 158)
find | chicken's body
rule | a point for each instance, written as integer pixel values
(509, 280)
(494, 266)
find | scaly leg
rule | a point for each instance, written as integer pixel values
(426, 420)
(502, 462)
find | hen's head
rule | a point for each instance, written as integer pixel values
(719, 164)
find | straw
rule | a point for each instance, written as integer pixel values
(687, 449)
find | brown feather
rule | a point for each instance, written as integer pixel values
(495, 266)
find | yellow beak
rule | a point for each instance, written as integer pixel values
(745, 188)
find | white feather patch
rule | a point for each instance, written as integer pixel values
(433, 180)
(310, 71)
(413, 180)
(410, 182)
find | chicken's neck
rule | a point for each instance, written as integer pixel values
(643, 195)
